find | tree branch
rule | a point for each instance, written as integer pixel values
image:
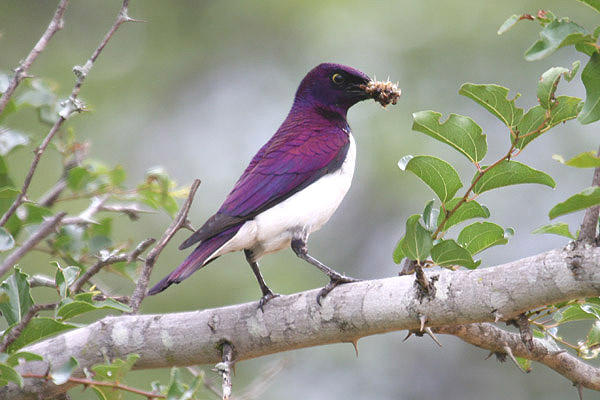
(71, 106)
(55, 25)
(179, 222)
(348, 313)
(490, 337)
(588, 230)
(44, 230)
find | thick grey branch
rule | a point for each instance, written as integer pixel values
(490, 337)
(296, 321)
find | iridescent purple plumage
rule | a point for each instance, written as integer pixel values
(313, 142)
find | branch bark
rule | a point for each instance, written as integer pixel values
(492, 338)
(348, 313)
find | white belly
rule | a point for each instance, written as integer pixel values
(305, 211)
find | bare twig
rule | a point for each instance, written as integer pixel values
(21, 72)
(71, 106)
(110, 259)
(180, 221)
(41, 281)
(50, 197)
(44, 230)
(224, 369)
(89, 382)
(85, 217)
(588, 231)
(490, 337)
(15, 332)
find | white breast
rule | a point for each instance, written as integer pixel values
(305, 211)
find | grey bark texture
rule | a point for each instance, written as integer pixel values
(296, 321)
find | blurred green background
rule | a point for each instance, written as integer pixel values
(201, 85)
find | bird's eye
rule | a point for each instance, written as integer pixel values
(338, 79)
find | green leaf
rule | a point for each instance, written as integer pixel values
(459, 132)
(481, 235)
(8, 374)
(64, 278)
(549, 82)
(7, 242)
(176, 387)
(536, 121)
(116, 370)
(22, 356)
(64, 372)
(15, 297)
(36, 214)
(509, 173)
(78, 177)
(509, 23)
(591, 80)
(38, 328)
(10, 138)
(588, 197)
(468, 210)
(595, 4)
(588, 159)
(559, 228)
(430, 216)
(155, 192)
(494, 99)
(578, 312)
(398, 252)
(71, 309)
(417, 241)
(440, 176)
(117, 176)
(557, 34)
(448, 253)
(593, 335)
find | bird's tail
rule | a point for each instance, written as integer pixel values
(196, 260)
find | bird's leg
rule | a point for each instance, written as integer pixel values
(335, 278)
(267, 294)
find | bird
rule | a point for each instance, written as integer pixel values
(293, 184)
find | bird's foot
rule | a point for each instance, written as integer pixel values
(335, 281)
(266, 298)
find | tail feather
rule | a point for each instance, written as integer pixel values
(196, 260)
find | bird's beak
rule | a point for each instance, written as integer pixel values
(382, 92)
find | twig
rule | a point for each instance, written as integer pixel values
(89, 382)
(44, 230)
(224, 369)
(85, 217)
(71, 106)
(180, 221)
(111, 259)
(41, 281)
(588, 230)
(21, 72)
(490, 337)
(15, 332)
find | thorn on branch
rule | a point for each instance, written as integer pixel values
(509, 352)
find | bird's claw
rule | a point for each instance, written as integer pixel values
(265, 299)
(335, 281)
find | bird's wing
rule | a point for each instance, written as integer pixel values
(283, 166)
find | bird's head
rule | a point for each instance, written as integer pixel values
(337, 87)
